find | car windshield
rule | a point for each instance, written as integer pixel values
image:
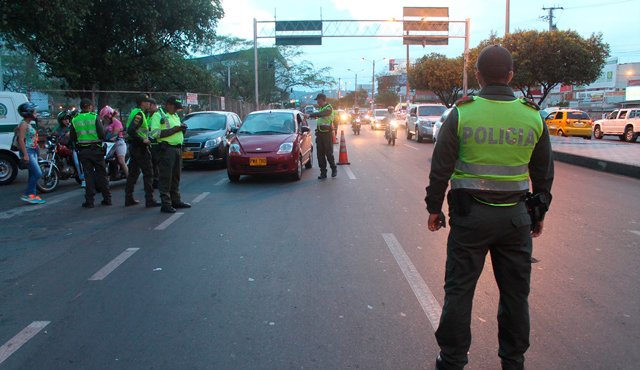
(206, 121)
(380, 112)
(578, 115)
(268, 123)
(431, 110)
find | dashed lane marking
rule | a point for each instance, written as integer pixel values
(20, 339)
(109, 267)
(635, 232)
(222, 181)
(36, 207)
(411, 146)
(200, 197)
(169, 221)
(347, 169)
(429, 304)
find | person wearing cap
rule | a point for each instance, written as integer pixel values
(140, 160)
(489, 148)
(167, 129)
(324, 138)
(87, 133)
(153, 108)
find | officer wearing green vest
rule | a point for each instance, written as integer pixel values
(153, 108)
(324, 137)
(87, 133)
(140, 160)
(489, 147)
(167, 129)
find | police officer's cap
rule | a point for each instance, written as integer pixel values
(85, 103)
(494, 62)
(321, 96)
(142, 98)
(152, 101)
(173, 100)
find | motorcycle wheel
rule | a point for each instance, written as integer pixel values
(48, 182)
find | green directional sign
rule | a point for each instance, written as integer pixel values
(298, 40)
(298, 32)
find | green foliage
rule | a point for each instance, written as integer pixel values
(348, 100)
(100, 44)
(439, 74)
(21, 72)
(387, 98)
(547, 59)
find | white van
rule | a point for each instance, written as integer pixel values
(9, 120)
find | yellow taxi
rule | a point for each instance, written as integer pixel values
(569, 122)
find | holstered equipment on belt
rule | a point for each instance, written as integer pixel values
(537, 206)
(459, 202)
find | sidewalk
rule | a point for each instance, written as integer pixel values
(608, 155)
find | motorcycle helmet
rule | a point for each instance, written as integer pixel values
(65, 114)
(27, 110)
(106, 112)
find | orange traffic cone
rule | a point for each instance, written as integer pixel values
(333, 134)
(344, 156)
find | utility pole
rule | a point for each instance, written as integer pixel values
(552, 26)
(508, 15)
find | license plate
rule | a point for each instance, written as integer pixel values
(578, 124)
(187, 155)
(257, 161)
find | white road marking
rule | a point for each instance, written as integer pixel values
(635, 232)
(200, 197)
(349, 172)
(411, 146)
(169, 221)
(20, 339)
(36, 207)
(109, 267)
(429, 304)
(222, 181)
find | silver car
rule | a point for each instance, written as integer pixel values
(421, 119)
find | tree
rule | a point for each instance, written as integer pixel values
(439, 74)
(387, 98)
(348, 100)
(100, 44)
(22, 73)
(546, 59)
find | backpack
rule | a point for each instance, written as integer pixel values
(15, 144)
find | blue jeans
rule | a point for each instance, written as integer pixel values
(35, 172)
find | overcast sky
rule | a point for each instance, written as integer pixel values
(618, 20)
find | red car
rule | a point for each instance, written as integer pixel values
(271, 142)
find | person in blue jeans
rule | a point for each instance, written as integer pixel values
(28, 145)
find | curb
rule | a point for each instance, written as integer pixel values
(598, 164)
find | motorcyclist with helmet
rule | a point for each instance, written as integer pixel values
(391, 130)
(114, 131)
(29, 150)
(67, 149)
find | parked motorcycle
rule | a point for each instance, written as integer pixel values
(356, 124)
(57, 165)
(391, 132)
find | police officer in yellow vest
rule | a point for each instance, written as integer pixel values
(87, 133)
(489, 147)
(324, 137)
(138, 136)
(167, 129)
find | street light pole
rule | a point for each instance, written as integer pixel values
(373, 77)
(508, 15)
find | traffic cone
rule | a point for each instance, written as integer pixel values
(333, 134)
(344, 156)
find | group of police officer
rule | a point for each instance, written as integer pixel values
(155, 136)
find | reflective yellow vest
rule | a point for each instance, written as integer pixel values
(325, 124)
(496, 139)
(143, 131)
(85, 126)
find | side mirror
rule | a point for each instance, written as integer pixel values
(305, 129)
(234, 130)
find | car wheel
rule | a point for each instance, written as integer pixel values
(418, 136)
(309, 163)
(48, 182)
(8, 169)
(597, 132)
(233, 178)
(298, 174)
(409, 136)
(629, 135)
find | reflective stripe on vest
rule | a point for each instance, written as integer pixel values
(496, 139)
(85, 127)
(325, 123)
(143, 130)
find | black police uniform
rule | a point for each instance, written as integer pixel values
(478, 228)
(324, 146)
(140, 161)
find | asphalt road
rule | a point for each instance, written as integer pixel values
(274, 274)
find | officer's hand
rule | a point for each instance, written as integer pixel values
(537, 229)
(434, 223)
(146, 141)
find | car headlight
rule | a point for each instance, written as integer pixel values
(285, 148)
(213, 142)
(234, 149)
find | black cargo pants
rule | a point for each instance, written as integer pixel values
(140, 161)
(170, 167)
(504, 232)
(95, 172)
(155, 160)
(324, 149)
